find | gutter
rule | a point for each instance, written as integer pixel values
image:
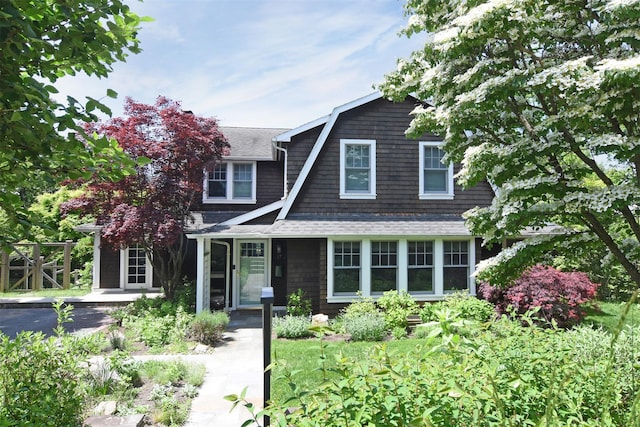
(274, 142)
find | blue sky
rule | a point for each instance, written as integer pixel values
(269, 63)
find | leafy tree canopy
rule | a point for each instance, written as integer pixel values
(532, 95)
(40, 42)
(152, 207)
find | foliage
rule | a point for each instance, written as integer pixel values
(396, 306)
(40, 377)
(464, 305)
(40, 42)
(366, 327)
(297, 304)
(292, 327)
(208, 327)
(39, 382)
(361, 306)
(557, 296)
(151, 208)
(534, 107)
(504, 375)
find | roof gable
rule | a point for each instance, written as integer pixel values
(317, 148)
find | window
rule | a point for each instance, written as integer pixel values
(420, 267)
(436, 178)
(231, 183)
(346, 267)
(455, 273)
(426, 268)
(384, 266)
(357, 169)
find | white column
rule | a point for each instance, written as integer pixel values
(403, 262)
(200, 274)
(438, 265)
(96, 260)
(472, 267)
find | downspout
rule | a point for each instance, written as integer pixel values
(286, 182)
(227, 273)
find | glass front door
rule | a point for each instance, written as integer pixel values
(252, 272)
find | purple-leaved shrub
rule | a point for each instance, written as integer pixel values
(558, 295)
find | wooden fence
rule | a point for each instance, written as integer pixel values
(24, 268)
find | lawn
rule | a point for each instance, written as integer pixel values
(47, 293)
(502, 369)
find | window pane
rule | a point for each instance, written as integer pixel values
(242, 190)
(420, 280)
(456, 278)
(357, 156)
(346, 280)
(357, 180)
(435, 180)
(456, 253)
(383, 279)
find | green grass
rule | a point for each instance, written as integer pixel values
(47, 293)
(302, 358)
(608, 315)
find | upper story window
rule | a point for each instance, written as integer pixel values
(231, 182)
(357, 169)
(436, 178)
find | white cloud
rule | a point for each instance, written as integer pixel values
(274, 63)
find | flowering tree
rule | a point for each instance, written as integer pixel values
(151, 207)
(542, 99)
(40, 42)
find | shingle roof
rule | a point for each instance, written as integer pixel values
(251, 143)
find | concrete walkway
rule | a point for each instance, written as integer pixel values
(235, 363)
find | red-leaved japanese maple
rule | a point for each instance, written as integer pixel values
(151, 208)
(558, 296)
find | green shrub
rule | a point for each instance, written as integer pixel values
(366, 327)
(40, 382)
(505, 375)
(298, 305)
(470, 307)
(396, 306)
(292, 327)
(363, 305)
(208, 327)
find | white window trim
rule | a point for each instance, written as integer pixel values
(124, 269)
(426, 195)
(229, 199)
(365, 268)
(372, 166)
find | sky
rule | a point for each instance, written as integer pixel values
(256, 63)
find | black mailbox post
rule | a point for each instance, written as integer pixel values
(266, 298)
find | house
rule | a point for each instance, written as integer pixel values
(342, 206)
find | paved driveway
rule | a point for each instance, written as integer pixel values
(85, 320)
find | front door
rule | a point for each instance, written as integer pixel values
(252, 271)
(136, 271)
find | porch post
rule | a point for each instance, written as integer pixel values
(96, 260)
(200, 274)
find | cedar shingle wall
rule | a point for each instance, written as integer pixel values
(397, 171)
(303, 268)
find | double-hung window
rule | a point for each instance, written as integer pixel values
(455, 270)
(346, 267)
(357, 169)
(436, 178)
(231, 182)
(420, 267)
(384, 266)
